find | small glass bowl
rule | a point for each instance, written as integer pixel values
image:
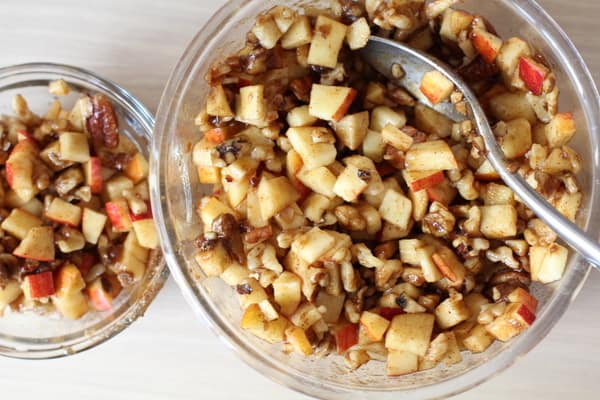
(33, 336)
(176, 192)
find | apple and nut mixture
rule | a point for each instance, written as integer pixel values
(75, 220)
(351, 219)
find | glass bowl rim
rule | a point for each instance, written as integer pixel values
(311, 385)
(80, 343)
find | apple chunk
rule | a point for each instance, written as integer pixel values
(487, 44)
(396, 209)
(346, 337)
(276, 194)
(548, 263)
(118, 213)
(19, 170)
(330, 103)
(327, 42)
(419, 180)
(515, 139)
(499, 221)
(352, 129)
(93, 174)
(217, 103)
(19, 222)
(436, 87)
(533, 74)
(102, 292)
(145, 230)
(375, 325)
(92, 224)
(560, 129)
(410, 332)
(64, 212)
(430, 156)
(38, 244)
(401, 363)
(38, 286)
(74, 147)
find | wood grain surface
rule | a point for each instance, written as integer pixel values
(169, 354)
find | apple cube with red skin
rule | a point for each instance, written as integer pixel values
(19, 169)
(346, 337)
(38, 244)
(327, 42)
(137, 168)
(509, 55)
(520, 295)
(64, 212)
(453, 23)
(118, 213)
(419, 180)
(487, 44)
(533, 74)
(147, 215)
(330, 103)
(515, 319)
(102, 292)
(93, 174)
(68, 280)
(436, 86)
(443, 192)
(38, 286)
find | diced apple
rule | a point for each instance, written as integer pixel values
(351, 183)
(19, 222)
(311, 245)
(373, 146)
(533, 74)
(346, 337)
(520, 295)
(102, 292)
(401, 362)
(327, 42)
(436, 87)
(37, 286)
(515, 319)
(431, 272)
(145, 230)
(330, 103)
(374, 324)
(320, 180)
(509, 55)
(93, 174)
(299, 117)
(38, 244)
(251, 105)
(358, 34)
(313, 154)
(419, 180)
(266, 31)
(217, 103)
(118, 213)
(275, 194)
(352, 129)
(92, 223)
(132, 259)
(486, 172)
(74, 147)
(73, 306)
(453, 354)
(420, 202)
(428, 156)
(19, 170)
(115, 186)
(209, 175)
(287, 292)
(449, 265)
(432, 122)
(487, 44)
(396, 138)
(299, 341)
(499, 221)
(478, 339)
(254, 321)
(396, 209)
(333, 305)
(509, 106)
(548, 263)
(410, 332)
(454, 22)
(284, 17)
(516, 139)
(568, 204)
(72, 240)
(68, 280)
(137, 168)
(9, 293)
(210, 208)
(79, 114)
(383, 115)
(451, 312)
(298, 35)
(560, 130)
(497, 194)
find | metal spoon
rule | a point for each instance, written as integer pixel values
(383, 55)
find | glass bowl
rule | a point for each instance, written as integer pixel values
(175, 194)
(33, 336)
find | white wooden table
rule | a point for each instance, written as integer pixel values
(169, 354)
